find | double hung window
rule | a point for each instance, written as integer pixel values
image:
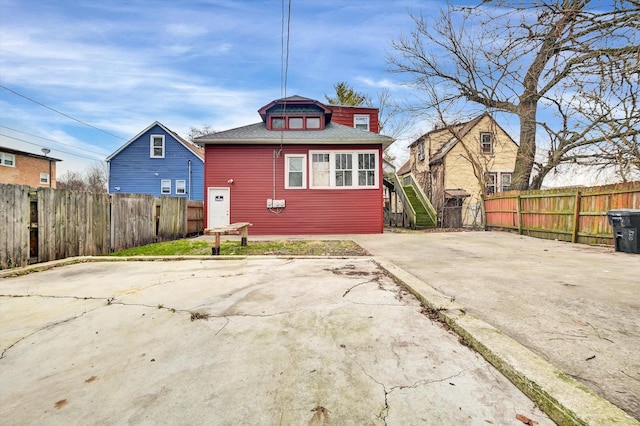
(295, 177)
(157, 146)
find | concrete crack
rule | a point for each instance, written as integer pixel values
(4, 352)
(44, 296)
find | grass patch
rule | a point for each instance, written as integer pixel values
(187, 247)
(168, 248)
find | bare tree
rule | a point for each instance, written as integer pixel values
(94, 179)
(538, 60)
(195, 132)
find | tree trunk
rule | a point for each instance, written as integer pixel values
(527, 149)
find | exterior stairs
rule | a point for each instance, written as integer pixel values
(423, 218)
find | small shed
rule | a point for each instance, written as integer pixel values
(452, 207)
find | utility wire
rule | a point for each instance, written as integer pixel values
(58, 150)
(46, 139)
(61, 113)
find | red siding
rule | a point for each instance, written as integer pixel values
(344, 115)
(307, 211)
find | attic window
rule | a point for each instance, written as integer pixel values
(313, 122)
(295, 123)
(157, 146)
(486, 143)
(361, 121)
(421, 151)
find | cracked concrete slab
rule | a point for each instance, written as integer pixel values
(246, 341)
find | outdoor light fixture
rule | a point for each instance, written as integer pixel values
(230, 181)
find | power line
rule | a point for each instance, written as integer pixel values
(61, 113)
(43, 138)
(59, 150)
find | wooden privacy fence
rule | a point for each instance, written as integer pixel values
(38, 225)
(578, 215)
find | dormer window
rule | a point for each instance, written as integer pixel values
(313, 122)
(295, 113)
(296, 123)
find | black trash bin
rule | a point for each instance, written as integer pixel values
(626, 227)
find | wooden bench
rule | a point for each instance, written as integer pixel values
(241, 228)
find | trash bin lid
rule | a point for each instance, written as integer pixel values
(624, 212)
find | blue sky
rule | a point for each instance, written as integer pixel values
(121, 65)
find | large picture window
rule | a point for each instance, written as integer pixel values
(295, 177)
(344, 169)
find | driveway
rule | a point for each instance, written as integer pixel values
(576, 306)
(259, 341)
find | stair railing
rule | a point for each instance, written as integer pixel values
(431, 211)
(406, 205)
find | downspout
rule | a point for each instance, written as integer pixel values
(189, 177)
(50, 177)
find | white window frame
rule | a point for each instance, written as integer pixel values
(502, 176)
(6, 158)
(354, 169)
(487, 183)
(181, 187)
(366, 170)
(359, 119)
(287, 185)
(152, 146)
(44, 178)
(490, 143)
(163, 186)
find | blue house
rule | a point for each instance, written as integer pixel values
(159, 162)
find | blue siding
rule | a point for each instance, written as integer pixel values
(133, 171)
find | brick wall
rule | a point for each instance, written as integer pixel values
(27, 171)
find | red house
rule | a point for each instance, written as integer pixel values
(298, 171)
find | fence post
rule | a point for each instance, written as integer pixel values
(519, 213)
(576, 218)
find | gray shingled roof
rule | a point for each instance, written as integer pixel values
(258, 134)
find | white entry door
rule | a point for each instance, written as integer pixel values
(218, 207)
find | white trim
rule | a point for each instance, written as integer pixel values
(286, 171)
(354, 169)
(44, 177)
(4, 157)
(162, 186)
(168, 131)
(152, 146)
(362, 118)
(491, 143)
(180, 187)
